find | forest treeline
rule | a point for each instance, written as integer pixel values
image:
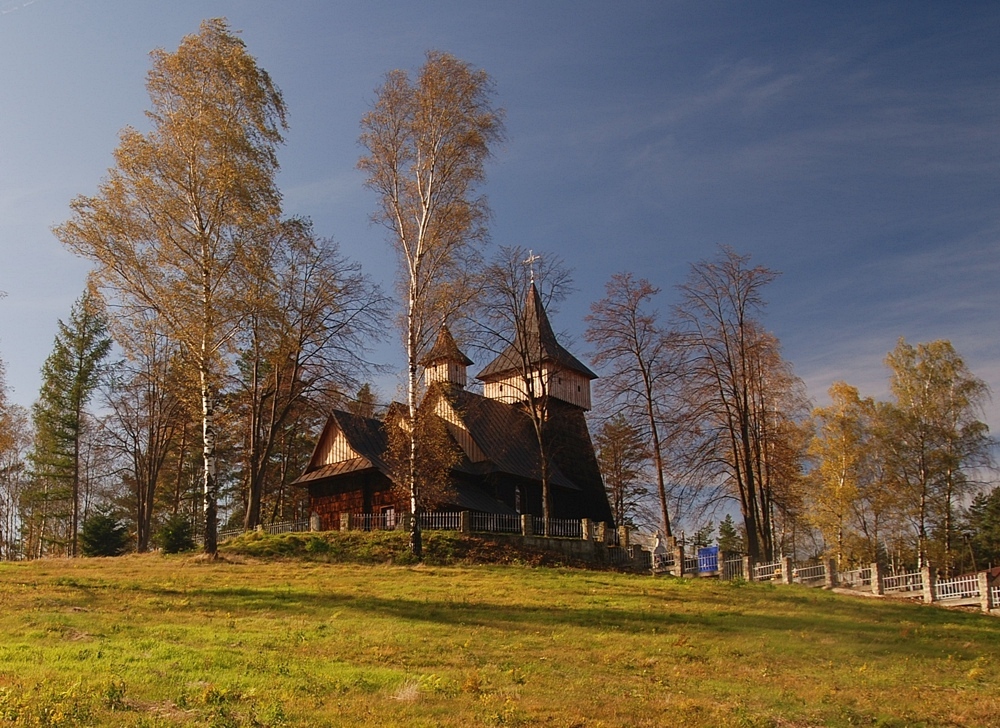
(187, 385)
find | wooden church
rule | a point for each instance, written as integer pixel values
(497, 463)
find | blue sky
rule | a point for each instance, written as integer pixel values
(855, 147)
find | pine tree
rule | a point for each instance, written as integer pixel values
(69, 377)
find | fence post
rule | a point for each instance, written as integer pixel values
(527, 525)
(877, 579)
(464, 522)
(985, 591)
(678, 559)
(586, 531)
(927, 581)
(315, 524)
(721, 565)
(346, 521)
(786, 570)
(748, 568)
(830, 574)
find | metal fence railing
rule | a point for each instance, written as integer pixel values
(663, 561)
(766, 572)
(496, 522)
(441, 521)
(558, 527)
(385, 521)
(855, 577)
(816, 572)
(280, 527)
(733, 569)
(911, 581)
(959, 587)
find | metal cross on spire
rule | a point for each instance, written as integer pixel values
(530, 262)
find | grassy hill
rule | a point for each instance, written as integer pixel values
(253, 641)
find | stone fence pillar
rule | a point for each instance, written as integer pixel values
(678, 559)
(786, 570)
(877, 579)
(346, 521)
(315, 523)
(527, 525)
(928, 581)
(464, 522)
(830, 574)
(748, 568)
(623, 537)
(985, 591)
(586, 529)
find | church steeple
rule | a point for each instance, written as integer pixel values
(445, 362)
(536, 349)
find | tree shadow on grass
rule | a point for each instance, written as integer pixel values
(883, 628)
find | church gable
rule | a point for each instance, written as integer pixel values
(348, 443)
(334, 448)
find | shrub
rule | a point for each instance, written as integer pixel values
(175, 535)
(103, 535)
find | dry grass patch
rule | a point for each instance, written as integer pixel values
(165, 641)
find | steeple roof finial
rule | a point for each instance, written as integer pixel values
(530, 262)
(536, 339)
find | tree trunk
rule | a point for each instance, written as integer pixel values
(210, 480)
(416, 542)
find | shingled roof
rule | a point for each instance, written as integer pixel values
(537, 340)
(505, 435)
(445, 349)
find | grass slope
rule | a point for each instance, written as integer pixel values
(167, 641)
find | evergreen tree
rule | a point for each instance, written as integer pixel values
(69, 377)
(983, 523)
(176, 536)
(730, 539)
(103, 535)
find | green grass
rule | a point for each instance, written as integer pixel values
(248, 641)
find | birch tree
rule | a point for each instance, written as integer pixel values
(427, 141)
(174, 226)
(937, 434)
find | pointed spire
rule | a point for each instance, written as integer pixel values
(445, 349)
(540, 344)
(445, 362)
